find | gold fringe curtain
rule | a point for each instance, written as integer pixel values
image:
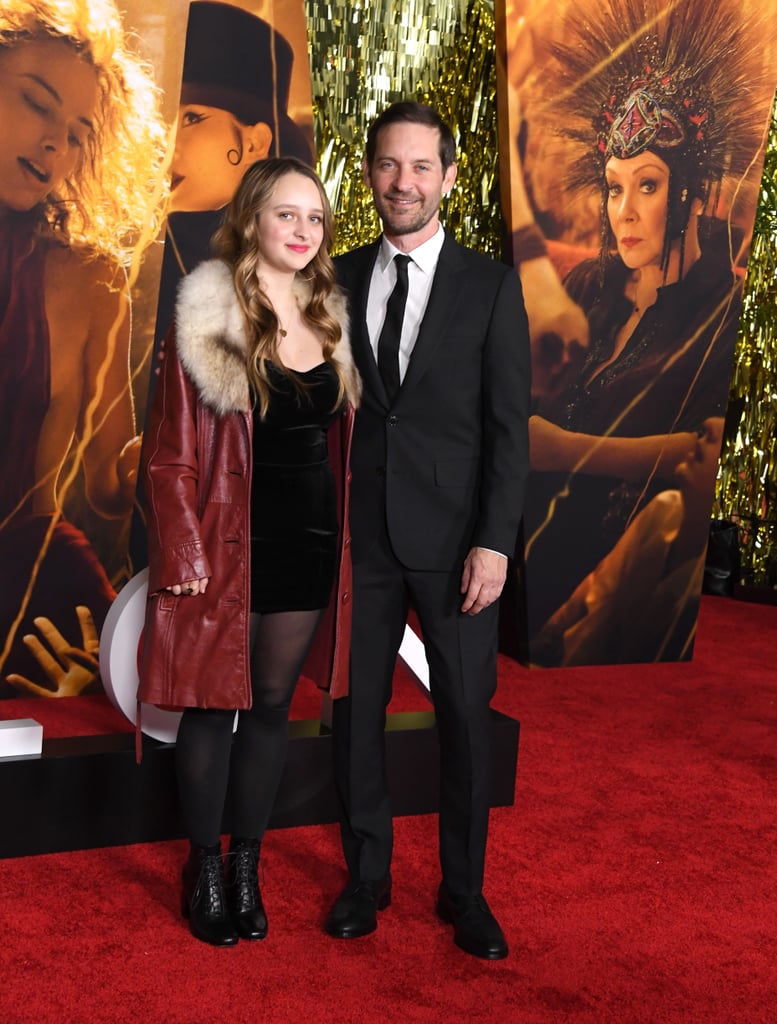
(747, 478)
(369, 53)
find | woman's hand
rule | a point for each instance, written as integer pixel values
(676, 448)
(189, 588)
(127, 465)
(70, 669)
(558, 327)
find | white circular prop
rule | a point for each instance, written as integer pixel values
(119, 644)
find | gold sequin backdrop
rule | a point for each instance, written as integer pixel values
(368, 53)
(747, 479)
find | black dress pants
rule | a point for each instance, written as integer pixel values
(461, 651)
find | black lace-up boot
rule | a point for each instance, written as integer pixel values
(202, 897)
(243, 895)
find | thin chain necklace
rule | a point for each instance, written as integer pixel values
(637, 310)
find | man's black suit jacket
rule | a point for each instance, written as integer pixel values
(446, 463)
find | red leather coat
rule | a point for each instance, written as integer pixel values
(197, 474)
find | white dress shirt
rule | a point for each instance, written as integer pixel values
(420, 275)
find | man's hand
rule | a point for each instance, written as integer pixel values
(70, 669)
(482, 580)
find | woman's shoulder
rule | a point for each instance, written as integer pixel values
(86, 294)
(337, 303)
(210, 337)
(81, 269)
(589, 281)
(207, 306)
(210, 280)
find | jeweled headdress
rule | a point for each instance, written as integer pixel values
(677, 77)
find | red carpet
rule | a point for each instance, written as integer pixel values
(635, 877)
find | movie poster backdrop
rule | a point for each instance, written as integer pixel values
(80, 325)
(632, 139)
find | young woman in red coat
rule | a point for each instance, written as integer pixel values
(245, 463)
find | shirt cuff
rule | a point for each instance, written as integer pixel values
(493, 552)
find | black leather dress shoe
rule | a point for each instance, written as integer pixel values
(476, 930)
(355, 911)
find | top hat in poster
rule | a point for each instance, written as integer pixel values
(235, 61)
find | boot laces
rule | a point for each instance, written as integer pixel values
(246, 865)
(210, 884)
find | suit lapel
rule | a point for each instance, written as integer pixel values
(444, 297)
(449, 281)
(360, 338)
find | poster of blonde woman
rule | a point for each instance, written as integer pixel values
(89, 109)
(634, 147)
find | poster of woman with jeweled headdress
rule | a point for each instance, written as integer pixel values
(633, 150)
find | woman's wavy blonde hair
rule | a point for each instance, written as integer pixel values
(114, 197)
(237, 243)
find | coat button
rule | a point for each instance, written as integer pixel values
(392, 421)
(347, 542)
(346, 597)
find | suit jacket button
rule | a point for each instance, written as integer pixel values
(392, 421)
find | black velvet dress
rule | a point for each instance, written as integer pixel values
(293, 497)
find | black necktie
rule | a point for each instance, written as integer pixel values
(388, 342)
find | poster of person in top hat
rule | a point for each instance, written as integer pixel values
(635, 141)
(233, 111)
(239, 74)
(244, 63)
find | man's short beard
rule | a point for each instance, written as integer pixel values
(407, 229)
(425, 215)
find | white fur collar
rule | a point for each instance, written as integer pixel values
(212, 344)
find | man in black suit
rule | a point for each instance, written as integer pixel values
(439, 461)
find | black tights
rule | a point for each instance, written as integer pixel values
(206, 755)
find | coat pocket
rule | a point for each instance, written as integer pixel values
(157, 649)
(457, 473)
